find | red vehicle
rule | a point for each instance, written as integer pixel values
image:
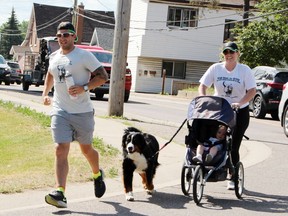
(105, 57)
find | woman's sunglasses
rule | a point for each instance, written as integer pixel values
(65, 34)
(225, 52)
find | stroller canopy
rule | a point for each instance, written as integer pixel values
(213, 108)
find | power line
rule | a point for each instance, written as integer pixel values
(39, 29)
(45, 25)
(56, 21)
(99, 21)
(56, 18)
(98, 14)
(197, 19)
(212, 25)
(103, 4)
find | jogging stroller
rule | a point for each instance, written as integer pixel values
(205, 114)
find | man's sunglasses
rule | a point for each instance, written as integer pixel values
(65, 34)
(225, 52)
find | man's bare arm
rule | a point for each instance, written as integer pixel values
(100, 76)
(48, 84)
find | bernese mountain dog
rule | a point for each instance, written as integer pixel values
(140, 152)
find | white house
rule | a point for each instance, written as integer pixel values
(181, 37)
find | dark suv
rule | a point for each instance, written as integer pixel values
(269, 83)
(4, 71)
(15, 76)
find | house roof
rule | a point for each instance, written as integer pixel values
(18, 49)
(48, 17)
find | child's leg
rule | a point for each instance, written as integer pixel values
(199, 152)
(200, 149)
(213, 151)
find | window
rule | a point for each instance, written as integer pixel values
(174, 69)
(227, 30)
(103, 57)
(182, 17)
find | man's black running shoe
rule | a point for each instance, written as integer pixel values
(56, 198)
(99, 185)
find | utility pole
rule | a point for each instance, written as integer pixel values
(246, 12)
(120, 47)
(74, 17)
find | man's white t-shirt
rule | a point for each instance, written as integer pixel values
(231, 85)
(80, 63)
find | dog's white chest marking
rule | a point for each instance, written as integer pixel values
(139, 160)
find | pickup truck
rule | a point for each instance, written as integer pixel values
(36, 63)
(105, 57)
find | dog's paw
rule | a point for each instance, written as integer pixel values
(129, 196)
(150, 192)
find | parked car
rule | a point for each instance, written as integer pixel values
(4, 71)
(269, 83)
(15, 76)
(105, 57)
(283, 109)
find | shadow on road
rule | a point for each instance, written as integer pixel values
(68, 212)
(252, 201)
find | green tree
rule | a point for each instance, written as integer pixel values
(265, 41)
(23, 27)
(10, 35)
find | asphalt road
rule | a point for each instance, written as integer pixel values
(266, 182)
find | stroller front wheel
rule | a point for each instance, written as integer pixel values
(186, 179)
(239, 180)
(198, 184)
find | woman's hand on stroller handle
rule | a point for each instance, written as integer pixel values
(235, 106)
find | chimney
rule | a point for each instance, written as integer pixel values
(80, 23)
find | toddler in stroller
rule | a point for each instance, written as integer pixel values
(209, 118)
(212, 146)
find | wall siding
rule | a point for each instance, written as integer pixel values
(150, 41)
(144, 81)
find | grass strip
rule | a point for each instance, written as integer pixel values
(27, 152)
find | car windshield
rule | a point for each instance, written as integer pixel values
(103, 57)
(281, 77)
(13, 65)
(2, 60)
(53, 46)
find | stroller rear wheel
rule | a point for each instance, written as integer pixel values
(239, 180)
(186, 179)
(198, 184)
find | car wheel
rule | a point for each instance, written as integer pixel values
(274, 115)
(285, 121)
(126, 96)
(7, 83)
(258, 107)
(25, 86)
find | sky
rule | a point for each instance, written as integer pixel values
(23, 8)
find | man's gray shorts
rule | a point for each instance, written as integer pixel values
(68, 127)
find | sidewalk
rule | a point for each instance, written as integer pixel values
(168, 173)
